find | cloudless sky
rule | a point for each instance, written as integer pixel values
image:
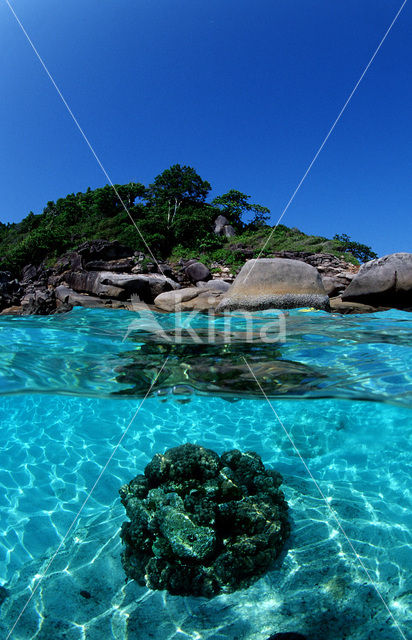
(243, 91)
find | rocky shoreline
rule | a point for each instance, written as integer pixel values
(102, 274)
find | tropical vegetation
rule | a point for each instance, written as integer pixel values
(172, 216)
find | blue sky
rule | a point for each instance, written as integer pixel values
(244, 92)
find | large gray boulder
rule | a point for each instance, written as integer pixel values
(66, 297)
(275, 283)
(386, 281)
(120, 286)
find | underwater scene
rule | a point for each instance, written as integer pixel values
(89, 398)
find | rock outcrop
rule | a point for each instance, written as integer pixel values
(336, 273)
(40, 302)
(69, 297)
(119, 286)
(229, 231)
(223, 227)
(98, 274)
(190, 299)
(107, 274)
(277, 283)
(8, 290)
(385, 281)
(337, 305)
(103, 250)
(201, 524)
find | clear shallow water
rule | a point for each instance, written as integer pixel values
(53, 447)
(107, 353)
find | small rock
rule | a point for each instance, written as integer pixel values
(197, 271)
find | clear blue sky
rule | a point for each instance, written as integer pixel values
(244, 92)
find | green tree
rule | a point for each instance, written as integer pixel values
(105, 202)
(30, 222)
(176, 187)
(362, 252)
(176, 211)
(234, 206)
(193, 225)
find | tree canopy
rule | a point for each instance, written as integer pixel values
(178, 185)
(169, 212)
(172, 214)
(234, 205)
(361, 251)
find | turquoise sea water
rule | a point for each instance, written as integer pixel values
(342, 387)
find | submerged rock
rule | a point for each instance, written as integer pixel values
(201, 524)
(4, 593)
(217, 368)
